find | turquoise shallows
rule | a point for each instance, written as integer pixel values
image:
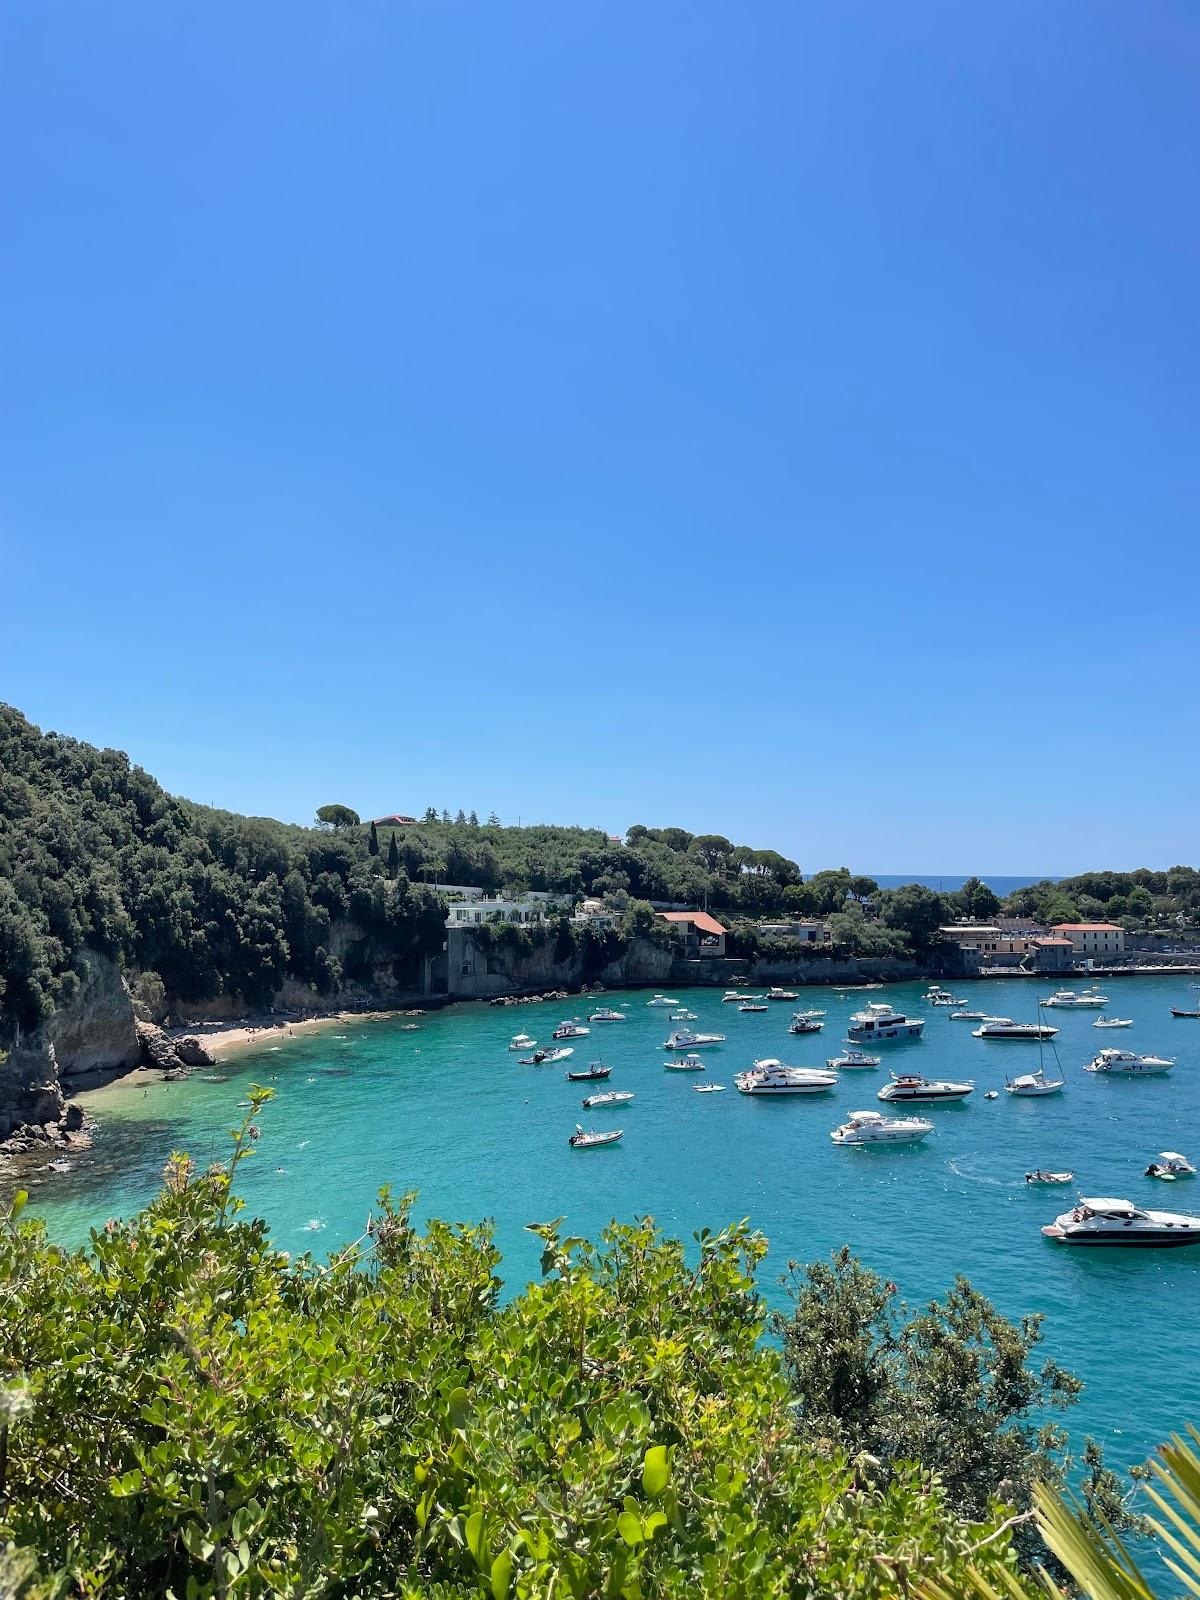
(449, 1112)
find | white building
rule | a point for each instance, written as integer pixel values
(480, 908)
(595, 913)
(806, 931)
(1093, 938)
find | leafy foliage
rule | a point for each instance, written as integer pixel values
(186, 1411)
(952, 1386)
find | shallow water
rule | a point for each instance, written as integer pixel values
(448, 1111)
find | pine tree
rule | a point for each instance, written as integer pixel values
(493, 820)
(445, 815)
(373, 841)
(393, 855)
(430, 814)
(473, 819)
(460, 820)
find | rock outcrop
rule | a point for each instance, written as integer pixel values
(30, 1090)
(94, 1032)
(192, 1053)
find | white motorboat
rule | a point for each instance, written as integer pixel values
(1112, 1022)
(606, 1014)
(610, 1097)
(1030, 1084)
(770, 1076)
(1170, 1164)
(1120, 1222)
(683, 1016)
(688, 1063)
(809, 1012)
(593, 1139)
(1068, 1000)
(1040, 1175)
(849, 1060)
(663, 1001)
(708, 1088)
(871, 1127)
(782, 994)
(686, 1039)
(522, 1041)
(968, 1016)
(911, 1086)
(1129, 1063)
(546, 1058)
(752, 1005)
(570, 1030)
(804, 1024)
(734, 997)
(942, 997)
(1006, 1028)
(879, 1022)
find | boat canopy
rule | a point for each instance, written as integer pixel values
(1170, 1155)
(1124, 1208)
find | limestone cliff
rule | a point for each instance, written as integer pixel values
(30, 1091)
(95, 1032)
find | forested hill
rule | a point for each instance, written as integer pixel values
(94, 854)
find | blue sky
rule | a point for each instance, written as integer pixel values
(779, 419)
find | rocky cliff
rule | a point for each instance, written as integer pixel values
(96, 1032)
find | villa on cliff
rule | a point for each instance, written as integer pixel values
(702, 935)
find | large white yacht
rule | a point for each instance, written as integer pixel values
(685, 1039)
(662, 1001)
(879, 1022)
(1006, 1028)
(772, 1077)
(775, 993)
(871, 1127)
(1067, 1000)
(1120, 1222)
(1128, 1061)
(606, 1014)
(912, 1086)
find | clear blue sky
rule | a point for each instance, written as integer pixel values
(776, 418)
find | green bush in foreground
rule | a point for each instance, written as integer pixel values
(185, 1411)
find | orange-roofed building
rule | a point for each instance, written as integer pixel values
(1093, 938)
(702, 935)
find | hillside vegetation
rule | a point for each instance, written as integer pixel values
(94, 854)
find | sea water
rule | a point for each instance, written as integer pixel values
(448, 1111)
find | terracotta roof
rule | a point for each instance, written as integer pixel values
(700, 919)
(395, 822)
(1041, 942)
(1087, 927)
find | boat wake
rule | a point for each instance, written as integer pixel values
(978, 1177)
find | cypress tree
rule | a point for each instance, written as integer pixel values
(393, 855)
(373, 842)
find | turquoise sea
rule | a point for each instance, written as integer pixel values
(449, 1112)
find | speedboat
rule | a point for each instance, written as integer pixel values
(1120, 1222)
(1112, 1022)
(942, 997)
(610, 1097)
(522, 1041)
(879, 1022)
(802, 1023)
(808, 1012)
(1067, 999)
(1170, 1164)
(1006, 1028)
(708, 1088)
(569, 1030)
(1130, 1063)
(546, 1058)
(1182, 1011)
(590, 1140)
(782, 994)
(851, 1059)
(871, 1127)
(751, 1005)
(663, 1001)
(1040, 1175)
(1030, 1084)
(683, 1016)
(687, 1063)
(912, 1086)
(595, 1070)
(734, 997)
(770, 1076)
(685, 1039)
(968, 1016)
(606, 1014)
